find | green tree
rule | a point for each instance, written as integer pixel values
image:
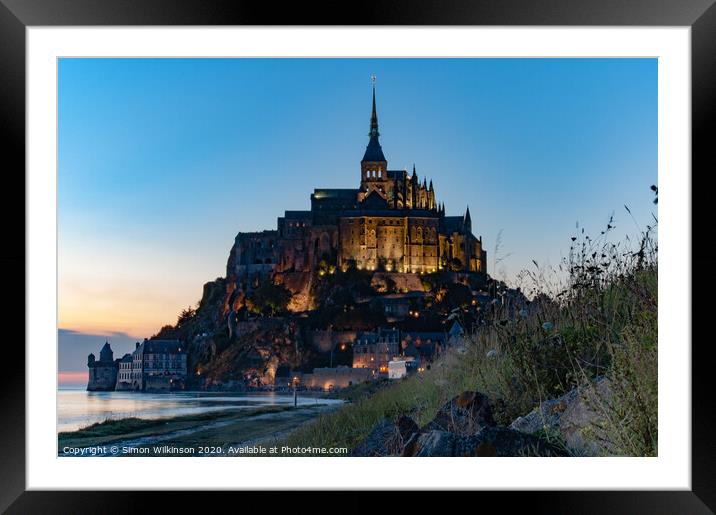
(269, 299)
(455, 264)
(185, 316)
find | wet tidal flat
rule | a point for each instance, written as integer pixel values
(228, 431)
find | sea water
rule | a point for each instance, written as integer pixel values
(79, 408)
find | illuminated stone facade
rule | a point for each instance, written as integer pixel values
(374, 350)
(155, 365)
(391, 222)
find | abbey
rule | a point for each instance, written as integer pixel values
(392, 222)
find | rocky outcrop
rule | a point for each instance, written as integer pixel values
(253, 356)
(574, 417)
(299, 284)
(464, 426)
(488, 442)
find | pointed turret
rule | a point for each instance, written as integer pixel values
(431, 185)
(467, 221)
(106, 354)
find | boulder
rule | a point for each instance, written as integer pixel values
(387, 438)
(431, 443)
(406, 427)
(488, 442)
(377, 442)
(464, 415)
(573, 417)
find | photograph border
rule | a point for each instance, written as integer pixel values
(16, 15)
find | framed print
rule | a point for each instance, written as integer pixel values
(420, 252)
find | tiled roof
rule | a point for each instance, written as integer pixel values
(373, 152)
(324, 193)
(453, 223)
(293, 215)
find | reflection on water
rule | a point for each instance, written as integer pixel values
(79, 408)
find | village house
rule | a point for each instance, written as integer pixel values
(401, 367)
(399, 306)
(373, 350)
(124, 374)
(155, 365)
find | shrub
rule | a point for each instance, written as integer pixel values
(269, 299)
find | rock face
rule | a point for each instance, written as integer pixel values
(253, 357)
(401, 282)
(571, 417)
(299, 284)
(462, 427)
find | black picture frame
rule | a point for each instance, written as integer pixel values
(17, 15)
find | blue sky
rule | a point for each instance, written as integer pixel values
(163, 161)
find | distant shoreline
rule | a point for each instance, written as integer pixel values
(301, 393)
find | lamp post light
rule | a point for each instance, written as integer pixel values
(295, 391)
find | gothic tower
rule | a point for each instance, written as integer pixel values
(373, 166)
(106, 354)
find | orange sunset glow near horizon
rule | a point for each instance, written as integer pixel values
(72, 378)
(126, 291)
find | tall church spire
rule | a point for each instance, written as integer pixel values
(374, 116)
(373, 152)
